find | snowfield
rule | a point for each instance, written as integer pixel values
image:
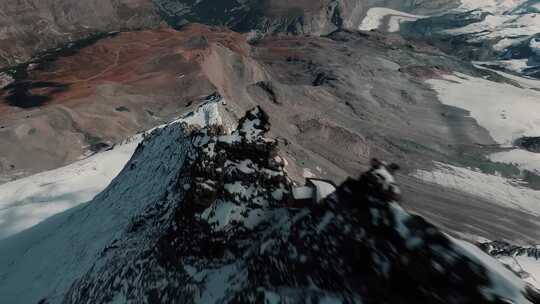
(514, 65)
(508, 22)
(497, 189)
(492, 6)
(522, 159)
(28, 201)
(506, 111)
(504, 281)
(511, 27)
(376, 15)
(520, 264)
(72, 240)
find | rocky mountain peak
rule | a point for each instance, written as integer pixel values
(228, 230)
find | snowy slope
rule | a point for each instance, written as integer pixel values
(524, 264)
(501, 32)
(28, 201)
(73, 240)
(492, 6)
(497, 189)
(524, 261)
(376, 15)
(508, 112)
(512, 28)
(163, 231)
(523, 159)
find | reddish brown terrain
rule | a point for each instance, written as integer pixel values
(334, 103)
(110, 90)
(30, 26)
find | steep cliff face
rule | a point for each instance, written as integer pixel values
(206, 216)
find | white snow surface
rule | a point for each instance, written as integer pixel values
(510, 27)
(524, 264)
(506, 111)
(44, 260)
(522, 159)
(496, 189)
(492, 6)
(322, 189)
(376, 15)
(525, 82)
(28, 201)
(508, 22)
(534, 44)
(504, 283)
(514, 65)
(5, 80)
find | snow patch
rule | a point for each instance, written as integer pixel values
(506, 111)
(28, 201)
(376, 15)
(504, 283)
(496, 189)
(523, 159)
(492, 6)
(72, 240)
(5, 80)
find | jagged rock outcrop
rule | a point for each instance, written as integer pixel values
(498, 248)
(522, 260)
(226, 232)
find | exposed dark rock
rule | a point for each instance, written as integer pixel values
(531, 144)
(122, 109)
(322, 78)
(499, 248)
(226, 233)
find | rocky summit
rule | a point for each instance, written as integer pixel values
(269, 151)
(207, 215)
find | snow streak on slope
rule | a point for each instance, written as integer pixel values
(506, 111)
(525, 264)
(72, 241)
(28, 201)
(146, 238)
(514, 28)
(523, 159)
(492, 6)
(525, 82)
(497, 189)
(524, 261)
(504, 281)
(375, 17)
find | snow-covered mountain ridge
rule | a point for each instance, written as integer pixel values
(499, 33)
(28, 201)
(206, 216)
